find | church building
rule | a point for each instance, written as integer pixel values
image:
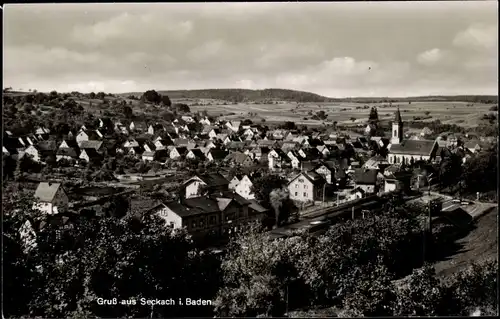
(408, 151)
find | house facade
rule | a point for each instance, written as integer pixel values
(51, 198)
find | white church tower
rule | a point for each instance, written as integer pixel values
(397, 128)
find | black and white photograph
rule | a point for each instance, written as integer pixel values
(250, 159)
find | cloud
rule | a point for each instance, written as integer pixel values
(478, 36)
(430, 57)
(131, 27)
(314, 47)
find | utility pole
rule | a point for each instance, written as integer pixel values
(324, 187)
(352, 212)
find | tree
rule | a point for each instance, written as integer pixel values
(100, 95)
(279, 199)
(166, 100)
(152, 96)
(264, 185)
(181, 107)
(127, 111)
(420, 294)
(373, 117)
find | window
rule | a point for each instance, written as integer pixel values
(296, 185)
(172, 224)
(305, 194)
(301, 180)
(212, 220)
(305, 186)
(193, 224)
(202, 222)
(296, 194)
(395, 133)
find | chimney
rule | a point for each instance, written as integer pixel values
(50, 183)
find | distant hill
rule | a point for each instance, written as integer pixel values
(245, 95)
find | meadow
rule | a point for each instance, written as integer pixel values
(347, 114)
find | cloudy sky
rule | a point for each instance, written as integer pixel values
(333, 49)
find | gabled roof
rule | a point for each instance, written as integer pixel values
(218, 154)
(254, 205)
(47, 145)
(397, 116)
(181, 150)
(213, 179)
(203, 203)
(413, 147)
(197, 153)
(46, 192)
(91, 153)
(71, 143)
(237, 157)
(67, 152)
(96, 145)
(311, 176)
(367, 177)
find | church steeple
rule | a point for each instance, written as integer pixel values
(397, 128)
(397, 116)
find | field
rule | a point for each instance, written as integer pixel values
(460, 113)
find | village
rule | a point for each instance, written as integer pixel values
(202, 174)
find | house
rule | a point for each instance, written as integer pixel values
(376, 162)
(407, 151)
(131, 143)
(233, 125)
(178, 152)
(96, 145)
(233, 182)
(66, 153)
(40, 151)
(306, 187)
(239, 159)
(216, 155)
(473, 146)
(324, 150)
(187, 119)
(212, 182)
(90, 155)
(327, 171)
(88, 136)
(259, 153)
(135, 151)
(205, 121)
(69, 144)
(356, 193)
(138, 126)
(195, 154)
(366, 179)
(155, 128)
(244, 188)
(397, 181)
(148, 146)
(51, 198)
(277, 159)
(295, 159)
(208, 216)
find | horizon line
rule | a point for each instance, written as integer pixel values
(296, 90)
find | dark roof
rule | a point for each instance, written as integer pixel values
(397, 116)
(92, 153)
(203, 203)
(71, 143)
(45, 192)
(315, 142)
(47, 145)
(183, 210)
(218, 154)
(138, 150)
(254, 205)
(413, 147)
(198, 153)
(232, 195)
(214, 179)
(362, 176)
(312, 176)
(181, 150)
(67, 152)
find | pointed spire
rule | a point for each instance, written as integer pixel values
(397, 116)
